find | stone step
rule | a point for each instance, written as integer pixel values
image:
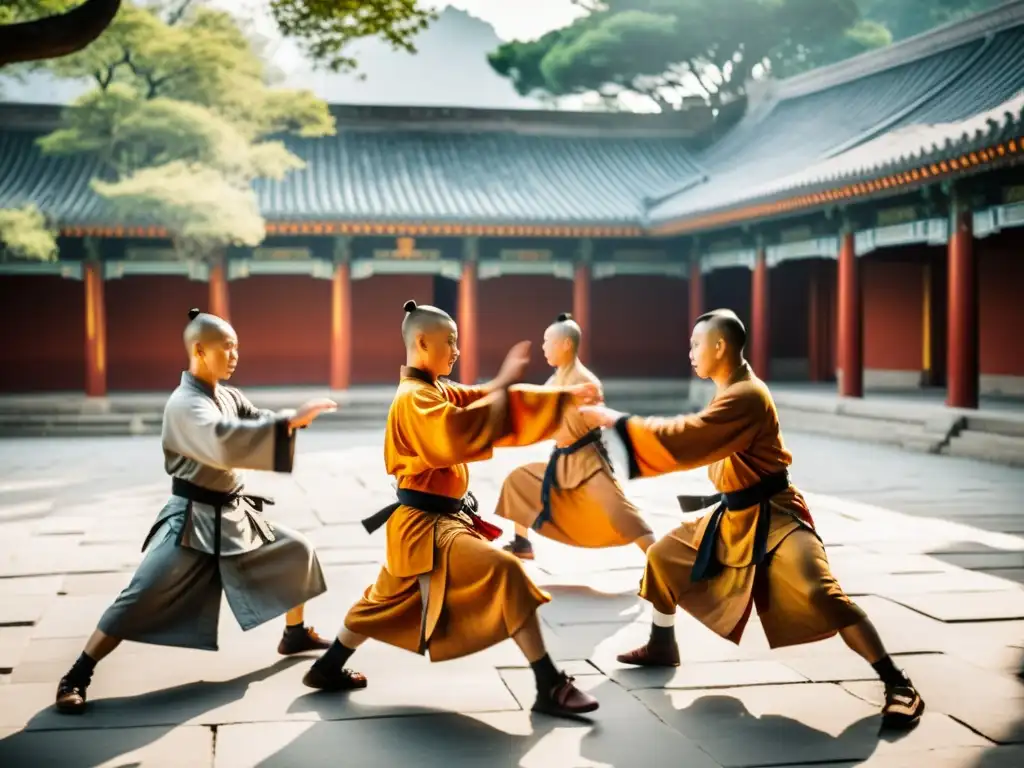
(988, 446)
(849, 427)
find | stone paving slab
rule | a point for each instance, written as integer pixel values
(63, 560)
(977, 606)
(136, 747)
(770, 725)
(954, 757)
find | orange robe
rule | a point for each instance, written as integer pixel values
(444, 588)
(738, 437)
(588, 506)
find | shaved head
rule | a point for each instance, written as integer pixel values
(423, 318)
(565, 327)
(204, 328)
(725, 325)
(212, 346)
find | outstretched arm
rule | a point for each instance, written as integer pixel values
(657, 446)
(194, 427)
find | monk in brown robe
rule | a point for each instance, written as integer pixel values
(443, 588)
(574, 497)
(759, 546)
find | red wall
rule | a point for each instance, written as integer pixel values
(43, 321)
(516, 308)
(284, 330)
(146, 316)
(893, 307)
(377, 350)
(640, 327)
(1001, 306)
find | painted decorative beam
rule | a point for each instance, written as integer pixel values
(970, 162)
(397, 228)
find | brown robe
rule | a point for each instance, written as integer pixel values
(444, 588)
(588, 507)
(738, 437)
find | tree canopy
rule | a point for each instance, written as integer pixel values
(184, 120)
(667, 49)
(34, 30)
(25, 233)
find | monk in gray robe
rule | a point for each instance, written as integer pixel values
(211, 537)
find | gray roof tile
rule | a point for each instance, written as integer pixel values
(381, 175)
(790, 137)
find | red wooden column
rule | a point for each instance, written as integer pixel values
(849, 331)
(219, 289)
(341, 327)
(469, 358)
(962, 332)
(696, 291)
(581, 306)
(95, 330)
(760, 356)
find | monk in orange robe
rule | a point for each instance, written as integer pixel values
(574, 497)
(758, 548)
(444, 589)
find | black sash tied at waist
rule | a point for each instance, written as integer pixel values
(550, 480)
(433, 504)
(218, 500)
(706, 565)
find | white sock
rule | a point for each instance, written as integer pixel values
(663, 619)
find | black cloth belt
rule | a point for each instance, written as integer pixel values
(218, 500)
(430, 503)
(550, 480)
(706, 565)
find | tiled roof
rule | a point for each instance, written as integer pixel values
(408, 173)
(902, 149)
(796, 128)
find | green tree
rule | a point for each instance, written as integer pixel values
(33, 30)
(184, 120)
(664, 49)
(905, 18)
(25, 233)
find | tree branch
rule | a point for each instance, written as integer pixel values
(55, 36)
(178, 13)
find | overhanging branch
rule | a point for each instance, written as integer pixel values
(55, 36)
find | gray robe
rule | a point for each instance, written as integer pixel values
(264, 569)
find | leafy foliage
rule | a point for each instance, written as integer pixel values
(326, 28)
(665, 49)
(184, 120)
(24, 232)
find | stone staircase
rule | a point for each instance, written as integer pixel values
(992, 436)
(361, 408)
(914, 424)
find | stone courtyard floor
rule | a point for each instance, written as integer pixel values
(932, 547)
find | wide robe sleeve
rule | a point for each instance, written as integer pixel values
(463, 396)
(196, 428)
(535, 413)
(657, 446)
(443, 434)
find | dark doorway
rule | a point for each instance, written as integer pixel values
(446, 294)
(446, 297)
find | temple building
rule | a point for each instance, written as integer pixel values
(863, 219)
